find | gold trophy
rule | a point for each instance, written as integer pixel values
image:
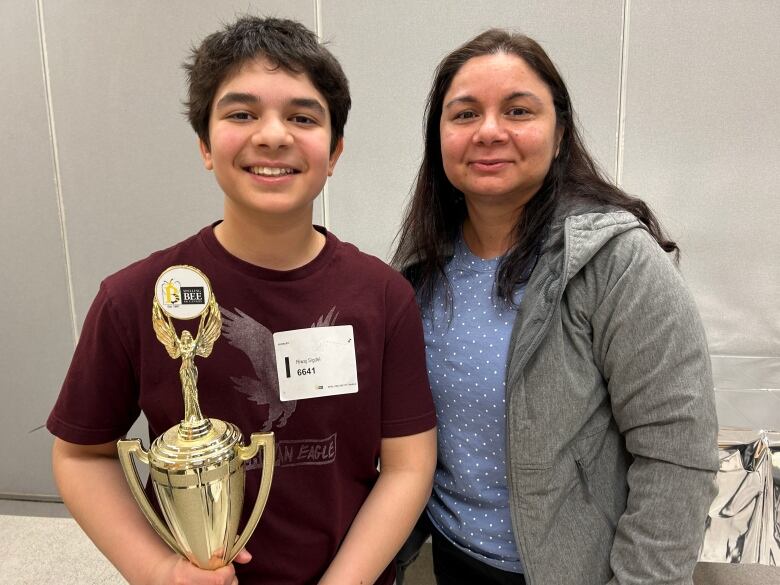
(196, 467)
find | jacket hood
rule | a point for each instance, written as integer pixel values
(578, 231)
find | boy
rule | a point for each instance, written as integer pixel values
(269, 105)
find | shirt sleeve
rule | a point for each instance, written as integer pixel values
(407, 404)
(98, 401)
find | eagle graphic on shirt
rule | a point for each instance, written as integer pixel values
(256, 341)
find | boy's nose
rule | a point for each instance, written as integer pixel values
(272, 133)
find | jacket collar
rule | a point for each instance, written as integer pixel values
(578, 231)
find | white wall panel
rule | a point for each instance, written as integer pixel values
(36, 333)
(702, 131)
(389, 51)
(132, 178)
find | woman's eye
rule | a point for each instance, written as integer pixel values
(467, 115)
(518, 111)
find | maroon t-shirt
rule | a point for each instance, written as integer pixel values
(326, 448)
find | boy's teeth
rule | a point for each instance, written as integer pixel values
(270, 171)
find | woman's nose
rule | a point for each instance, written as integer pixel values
(490, 130)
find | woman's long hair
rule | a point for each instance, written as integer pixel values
(437, 209)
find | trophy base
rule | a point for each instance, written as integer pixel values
(199, 485)
(199, 482)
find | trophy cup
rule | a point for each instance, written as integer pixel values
(196, 467)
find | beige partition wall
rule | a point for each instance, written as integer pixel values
(35, 315)
(677, 101)
(700, 141)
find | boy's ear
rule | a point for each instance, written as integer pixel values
(334, 157)
(205, 154)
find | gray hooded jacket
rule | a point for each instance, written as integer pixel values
(612, 432)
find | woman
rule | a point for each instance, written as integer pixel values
(577, 428)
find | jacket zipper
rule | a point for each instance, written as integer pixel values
(589, 494)
(534, 345)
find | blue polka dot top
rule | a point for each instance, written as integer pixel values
(466, 354)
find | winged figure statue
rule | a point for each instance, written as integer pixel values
(188, 348)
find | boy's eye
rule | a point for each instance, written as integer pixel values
(240, 116)
(303, 119)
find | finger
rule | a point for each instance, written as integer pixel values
(226, 574)
(188, 573)
(243, 557)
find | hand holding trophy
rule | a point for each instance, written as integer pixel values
(196, 467)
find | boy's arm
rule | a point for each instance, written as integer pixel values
(390, 511)
(93, 486)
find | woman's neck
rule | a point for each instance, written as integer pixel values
(489, 233)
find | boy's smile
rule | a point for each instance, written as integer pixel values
(269, 137)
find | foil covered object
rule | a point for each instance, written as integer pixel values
(743, 525)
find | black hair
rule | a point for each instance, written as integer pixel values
(437, 209)
(286, 44)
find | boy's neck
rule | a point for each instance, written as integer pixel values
(275, 244)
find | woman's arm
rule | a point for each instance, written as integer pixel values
(390, 511)
(93, 487)
(650, 344)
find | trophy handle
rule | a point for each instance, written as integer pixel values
(126, 448)
(257, 440)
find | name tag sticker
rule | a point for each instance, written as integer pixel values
(316, 362)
